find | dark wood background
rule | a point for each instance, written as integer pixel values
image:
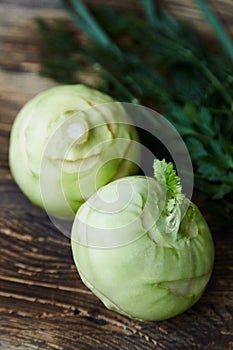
(43, 303)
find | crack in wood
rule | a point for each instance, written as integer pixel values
(44, 284)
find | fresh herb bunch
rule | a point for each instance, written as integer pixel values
(159, 62)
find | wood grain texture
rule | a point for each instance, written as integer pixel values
(43, 303)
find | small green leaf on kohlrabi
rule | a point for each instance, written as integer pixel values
(142, 247)
(68, 141)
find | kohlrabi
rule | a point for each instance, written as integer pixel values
(142, 247)
(66, 143)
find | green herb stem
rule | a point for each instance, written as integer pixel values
(190, 57)
(220, 31)
(83, 18)
(216, 83)
(151, 12)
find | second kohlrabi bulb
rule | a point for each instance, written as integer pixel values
(142, 247)
(67, 142)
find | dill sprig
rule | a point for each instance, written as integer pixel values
(160, 62)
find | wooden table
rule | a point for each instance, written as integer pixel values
(43, 303)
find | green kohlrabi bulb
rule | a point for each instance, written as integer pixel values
(142, 247)
(66, 143)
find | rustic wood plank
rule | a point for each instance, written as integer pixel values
(43, 303)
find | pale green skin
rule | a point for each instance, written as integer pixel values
(148, 278)
(38, 120)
